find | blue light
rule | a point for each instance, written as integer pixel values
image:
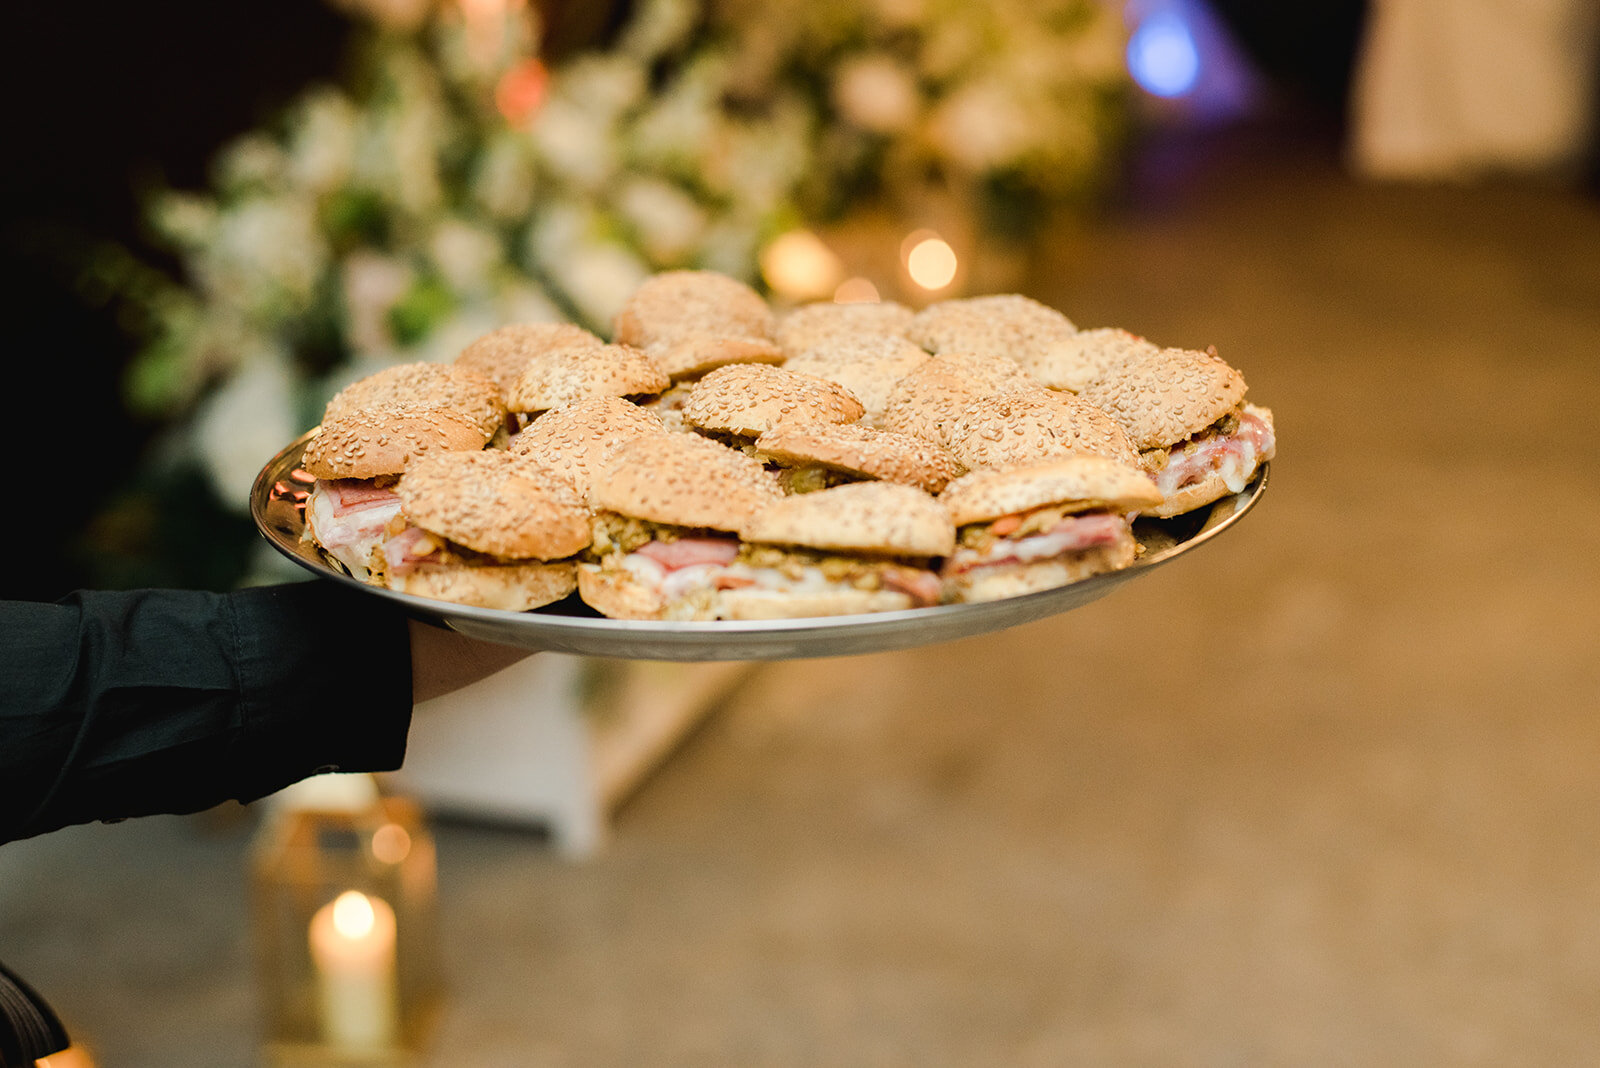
(1162, 56)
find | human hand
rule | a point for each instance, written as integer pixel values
(443, 661)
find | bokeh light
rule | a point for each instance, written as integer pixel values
(1162, 55)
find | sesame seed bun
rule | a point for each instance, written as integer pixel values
(509, 587)
(619, 595)
(1022, 428)
(871, 517)
(799, 604)
(576, 441)
(999, 581)
(868, 367)
(676, 305)
(825, 322)
(382, 441)
(1073, 362)
(927, 400)
(496, 503)
(1168, 395)
(863, 451)
(981, 496)
(750, 399)
(1008, 324)
(692, 356)
(684, 480)
(437, 385)
(560, 377)
(502, 355)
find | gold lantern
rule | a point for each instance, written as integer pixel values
(346, 926)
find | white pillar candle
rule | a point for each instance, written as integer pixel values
(353, 949)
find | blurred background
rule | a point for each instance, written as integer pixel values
(1323, 793)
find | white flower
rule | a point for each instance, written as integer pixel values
(658, 26)
(266, 250)
(981, 126)
(876, 93)
(372, 284)
(668, 220)
(249, 418)
(466, 255)
(573, 145)
(603, 85)
(521, 301)
(323, 144)
(254, 160)
(186, 219)
(504, 181)
(674, 129)
(598, 278)
(445, 342)
(730, 246)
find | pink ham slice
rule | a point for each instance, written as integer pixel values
(923, 587)
(1234, 457)
(1075, 533)
(353, 495)
(688, 552)
(407, 549)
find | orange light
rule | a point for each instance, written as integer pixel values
(932, 262)
(521, 91)
(856, 291)
(353, 915)
(799, 265)
(390, 844)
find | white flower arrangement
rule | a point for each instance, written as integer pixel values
(460, 183)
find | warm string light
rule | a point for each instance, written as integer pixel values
(390, 844)
(929, 259)
(800, 266)
(856, 291)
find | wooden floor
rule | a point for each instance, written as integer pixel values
(1324, 793)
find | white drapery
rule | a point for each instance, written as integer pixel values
(1459, 88)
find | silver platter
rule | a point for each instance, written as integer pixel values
(277, 502)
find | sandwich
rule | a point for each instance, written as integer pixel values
(484, 528)
(667, 511)
(356, 460)
(502, 355)
(562, 376)
(813, 456)
(927, 400)
(1030, 426)
(429, 385)
(826, 322)
(693, 321)
(1186, 414)
(867, 366)
(739, 403)
(1039, 527)
(1034, 335)
(577, 441)
(862, 547)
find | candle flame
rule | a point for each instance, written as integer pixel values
(353, 915)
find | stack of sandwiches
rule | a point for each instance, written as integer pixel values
(715, 460)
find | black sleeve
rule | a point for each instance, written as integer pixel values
(129, 704)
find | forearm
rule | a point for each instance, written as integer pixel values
(125, 704)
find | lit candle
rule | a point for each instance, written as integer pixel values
(352, 946)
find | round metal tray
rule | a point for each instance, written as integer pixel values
(277, 502)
